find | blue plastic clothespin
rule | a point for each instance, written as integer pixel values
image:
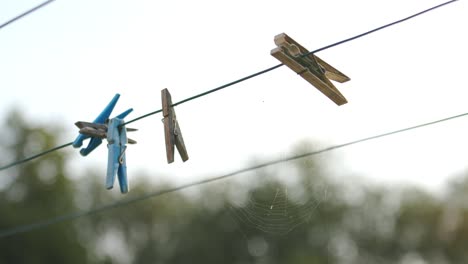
(116, 164)
(101, 119)
(115, 132)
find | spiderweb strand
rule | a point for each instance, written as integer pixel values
(25, 13)
(279, 217)
(72, 216)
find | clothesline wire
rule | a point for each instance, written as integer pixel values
(237, 81)
(382, 27)
(25, 13)
(35, 156)
(207, 92)
(124, 202)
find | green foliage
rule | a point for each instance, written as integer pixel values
(290, 213)
(35, 191)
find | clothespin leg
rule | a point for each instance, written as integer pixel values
(112, 164)
(122, 171)
(168, 124)
(179, 142)
(93, 144)
(122, 175)
(113, 139)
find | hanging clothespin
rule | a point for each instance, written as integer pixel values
(310, 67)
(173, 135)
(115, 132)
(97, 130)
(116, 163)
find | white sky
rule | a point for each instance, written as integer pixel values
(66, 61)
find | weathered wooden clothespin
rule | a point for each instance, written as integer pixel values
(173, 135)
(310, 67)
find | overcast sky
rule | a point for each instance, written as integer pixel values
(64, 63)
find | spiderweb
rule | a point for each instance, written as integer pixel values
(275, 211)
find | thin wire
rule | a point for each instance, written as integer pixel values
(227, 85)
(279, 65)
(25, 13)
(244, 78)
(124, 202)
(207, 92)
(35, 156)
(382, 27)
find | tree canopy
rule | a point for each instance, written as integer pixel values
(314, 220)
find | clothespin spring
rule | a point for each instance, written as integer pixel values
(122, 155)
(174, 121)
(304, 59)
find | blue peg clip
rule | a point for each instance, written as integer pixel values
(115, 132)
(117, 145)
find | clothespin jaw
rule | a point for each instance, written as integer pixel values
(92, 129)
(117, 145)
(97, 129)
(310, 67)
(172, 132)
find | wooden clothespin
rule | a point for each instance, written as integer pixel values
(310, 67)
(172, 132)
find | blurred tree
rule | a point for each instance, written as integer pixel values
(35, 191)
(312, 221)
(289, 213)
